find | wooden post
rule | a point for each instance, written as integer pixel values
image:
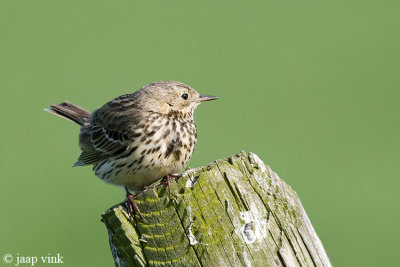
(232, 212)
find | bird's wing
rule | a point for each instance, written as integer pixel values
(109, 133)
(108, 142)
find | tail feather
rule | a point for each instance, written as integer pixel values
(71, 112)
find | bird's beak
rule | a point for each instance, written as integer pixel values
(203, 98)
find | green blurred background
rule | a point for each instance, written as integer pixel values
(311, 87)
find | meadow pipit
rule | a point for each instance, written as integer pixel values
(138, 138)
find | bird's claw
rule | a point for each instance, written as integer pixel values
(132, 206)
(166, 179)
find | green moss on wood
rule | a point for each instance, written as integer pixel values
(233, 212)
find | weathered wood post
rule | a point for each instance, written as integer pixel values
(233, 212)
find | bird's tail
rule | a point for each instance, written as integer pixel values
(71, 112)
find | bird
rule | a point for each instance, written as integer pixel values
(139, 138)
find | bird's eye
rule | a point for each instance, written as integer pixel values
(185, 96)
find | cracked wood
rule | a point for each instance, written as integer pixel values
(232, 212)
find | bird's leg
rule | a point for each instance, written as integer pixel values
(154, 185)
(132, 206)
(166, 179)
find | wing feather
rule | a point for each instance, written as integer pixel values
(108, 141)
(108, 134)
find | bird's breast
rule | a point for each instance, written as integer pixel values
(162, 145)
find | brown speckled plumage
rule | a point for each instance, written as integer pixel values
(136, 139)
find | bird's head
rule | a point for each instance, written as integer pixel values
(168, 97)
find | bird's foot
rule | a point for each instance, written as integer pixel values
(167, 180)
(132, 206)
